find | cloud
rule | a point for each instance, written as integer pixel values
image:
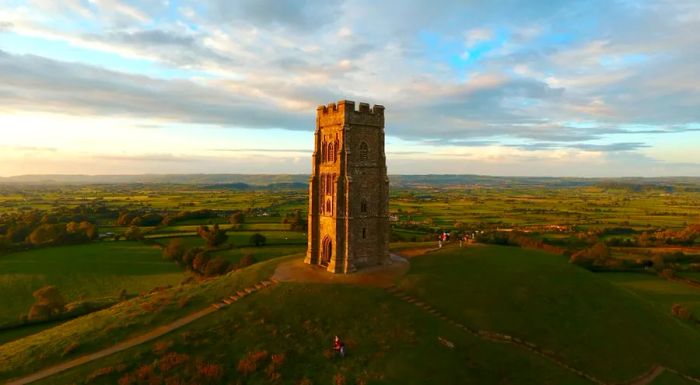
(31, 82)
(303, 15)
(563, 76)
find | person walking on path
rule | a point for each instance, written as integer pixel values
(339, 346)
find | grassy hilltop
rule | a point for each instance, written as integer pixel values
(589, 322)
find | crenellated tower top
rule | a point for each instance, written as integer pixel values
(344, 112)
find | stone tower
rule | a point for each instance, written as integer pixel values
(348, 189)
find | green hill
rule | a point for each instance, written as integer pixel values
(591, 323)
(283, 334)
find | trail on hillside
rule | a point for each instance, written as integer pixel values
(130, 343)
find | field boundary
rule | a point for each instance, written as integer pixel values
(153, 334)
(492, 336)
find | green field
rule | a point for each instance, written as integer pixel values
(100, 269)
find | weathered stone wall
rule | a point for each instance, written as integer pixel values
(349, 189)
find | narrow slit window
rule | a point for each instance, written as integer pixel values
(364, 233)
(364, 151)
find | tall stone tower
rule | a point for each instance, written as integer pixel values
(348, 189)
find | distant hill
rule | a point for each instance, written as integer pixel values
(287, 181)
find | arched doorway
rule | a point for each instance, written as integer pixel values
(326, 251)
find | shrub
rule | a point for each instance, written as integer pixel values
(681, 312)
(216, 266)
(174, 251)
(49, 303)
(172, 360)
(101, 372)
(247, 260)
(72, 347)
(210, 371)
(237, 218)
(249, 363)
(258, 239)
(133, 233)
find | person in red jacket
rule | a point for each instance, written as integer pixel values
(339, 346)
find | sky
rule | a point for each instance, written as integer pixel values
(510, 87)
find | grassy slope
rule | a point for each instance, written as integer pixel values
(595, 325)
(389, 342)
(124, 320)
(99, 269)
(660, 292)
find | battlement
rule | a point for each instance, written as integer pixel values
(349, 106)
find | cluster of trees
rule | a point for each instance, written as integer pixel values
(514, 238)
(40, 229)
(594, 256)
(189, 215)
(687, 236)
(198, 260)
(131, 218)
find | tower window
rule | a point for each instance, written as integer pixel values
(363, 206)
(331, 152)
(364, 233)
(329, 207)
(364, 151)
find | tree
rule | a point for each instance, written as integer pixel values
(237, 218)
(18, 233)
(189, 255)
(258, 239)
(125, 218)
(213, 237)
(200, 262)
(174, 251)
(47, 234)
(595, 255)
(49, 303)
(90, 230)
(133, 233)
(659, 262)
(216, 266)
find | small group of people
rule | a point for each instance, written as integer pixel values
(444, 237)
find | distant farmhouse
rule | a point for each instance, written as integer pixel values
(348, 189)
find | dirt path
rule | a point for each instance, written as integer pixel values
(153, 334)
(649, 377)
(378, 276)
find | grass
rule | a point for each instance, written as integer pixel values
(261, 253)
(94, 270)
(388, 342)
(592, 323)
(660, 292)
(127, 319)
